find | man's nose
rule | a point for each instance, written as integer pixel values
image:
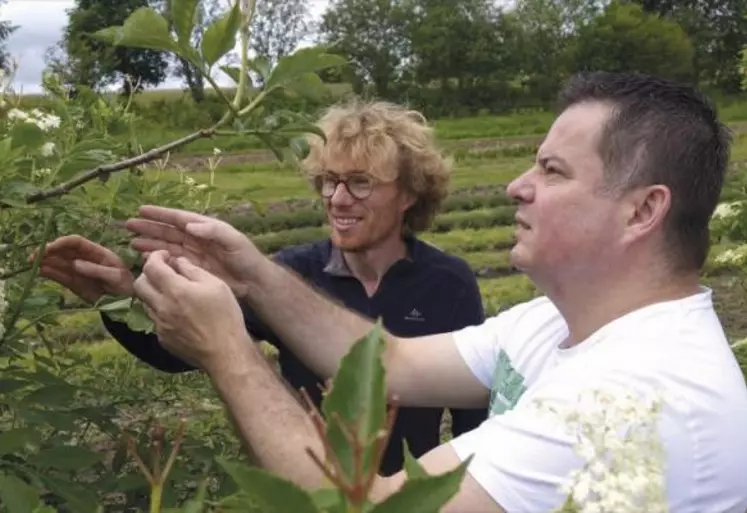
(521, 189)
(341, 196)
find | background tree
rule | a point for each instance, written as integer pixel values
(547, 33)
(96, 64)
(278, 27)
(6, 29)
(718, 30)
(626, 38)
(372, 35)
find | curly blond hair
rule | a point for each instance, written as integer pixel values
(391, 143)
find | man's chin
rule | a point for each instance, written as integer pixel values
(349, 244)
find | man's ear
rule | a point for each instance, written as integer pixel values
(407, 200)
(645, 210)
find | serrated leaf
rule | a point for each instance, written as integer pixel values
(300, 147)
(261, 65)
(306, 60)
(118, 305)
(309, 85)
(27, 135)
(16, 439)
(144, 28)
(328, 499)
(413, 468)
(51, 395)
(424, 494)
(268, 491)
(65, 457)
(78, 498)
(358, 399)
(11, 385)
(220, 36)
(17, 495)
(137, 319)
(183, 16)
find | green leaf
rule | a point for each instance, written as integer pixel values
(144, 28)
(78, 497)
(300, 147)
(52, 395)
(11, 385)
(27, 135)
(119, 305)
(328, 499)
(310, 86)
(183, 16)
(65, 457)
(220, 36)
(17, 495)
(413, 468)
(16, 439)
(425, 494)
(261, 65)
(358, 399)
(129, 311)
(271, 493)
(306, 60)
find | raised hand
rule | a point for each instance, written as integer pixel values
(86, 268)
(208, 243)
(195, 313)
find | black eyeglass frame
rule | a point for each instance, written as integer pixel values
(335, 179)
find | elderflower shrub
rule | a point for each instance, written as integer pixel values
(3, 304)
(616, 437)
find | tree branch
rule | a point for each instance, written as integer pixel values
(99, 171)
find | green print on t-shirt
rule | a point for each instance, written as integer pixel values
(508, 386)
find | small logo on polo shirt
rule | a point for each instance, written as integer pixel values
(415, 315)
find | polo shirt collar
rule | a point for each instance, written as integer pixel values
(336, 265)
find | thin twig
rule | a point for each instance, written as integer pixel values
(105, 169)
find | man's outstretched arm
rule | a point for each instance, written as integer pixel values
(421, 371)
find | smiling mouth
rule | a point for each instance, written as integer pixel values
(345, 222)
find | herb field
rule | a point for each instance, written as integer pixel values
(272, 204)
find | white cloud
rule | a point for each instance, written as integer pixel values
(40, 25)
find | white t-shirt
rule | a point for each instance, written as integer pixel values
(521, 458)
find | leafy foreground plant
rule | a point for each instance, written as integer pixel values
(354, 438)
(72, 166)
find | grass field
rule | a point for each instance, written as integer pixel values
(475, 224)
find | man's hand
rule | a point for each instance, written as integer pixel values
(209, 243)
(195, 313)
(88, 269)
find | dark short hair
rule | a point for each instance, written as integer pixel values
(661, 132)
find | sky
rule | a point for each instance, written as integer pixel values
(41, 23)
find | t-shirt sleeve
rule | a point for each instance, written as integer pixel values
(480, 345)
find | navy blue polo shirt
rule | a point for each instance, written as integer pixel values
(425, 293)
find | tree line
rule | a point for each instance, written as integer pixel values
(446, 57)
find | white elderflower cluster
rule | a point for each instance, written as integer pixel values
(735, 256)
(616, 436)
(43, 120)
(40, 173)
(47, 149)
(727, 210)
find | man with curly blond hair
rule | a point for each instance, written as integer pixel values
(382, 180)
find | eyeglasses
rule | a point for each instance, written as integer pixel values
(359, 185)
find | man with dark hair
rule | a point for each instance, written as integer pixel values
(382, 179)
(631, 165)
